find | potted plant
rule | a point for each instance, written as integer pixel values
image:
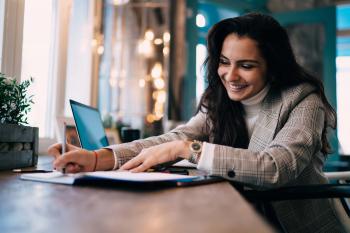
(18, 141)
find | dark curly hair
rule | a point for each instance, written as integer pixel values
(227, 116)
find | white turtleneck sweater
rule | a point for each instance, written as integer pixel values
(252, 107)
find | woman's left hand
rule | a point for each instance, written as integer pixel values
(158, 154)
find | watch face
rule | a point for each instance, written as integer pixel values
(196, 146)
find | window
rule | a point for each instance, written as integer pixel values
(79, 57)
(201, 53)
(343, 77)
(36, 57)
(2, 15)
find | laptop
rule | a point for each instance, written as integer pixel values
(91, 133)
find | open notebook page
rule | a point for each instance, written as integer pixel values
(58, 177)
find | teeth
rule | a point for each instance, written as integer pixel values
(237, 86)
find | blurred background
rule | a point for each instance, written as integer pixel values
(140, 62)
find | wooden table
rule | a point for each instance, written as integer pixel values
(28, 206)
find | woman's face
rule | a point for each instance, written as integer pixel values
(242, 69)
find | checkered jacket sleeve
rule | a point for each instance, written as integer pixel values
(194, 129)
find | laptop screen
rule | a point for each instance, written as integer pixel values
(89, 125)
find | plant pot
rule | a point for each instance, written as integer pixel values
(18, 146)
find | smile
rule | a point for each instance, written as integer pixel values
(237, 87)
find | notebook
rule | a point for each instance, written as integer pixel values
(120, 176)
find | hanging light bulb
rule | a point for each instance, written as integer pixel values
(161, 97)
(158, 83)
(149, 35)
(100, 49)
(157, 70)
(165, 51)
(145, 48)
(120, 2)
(166, 37)
(158, 41)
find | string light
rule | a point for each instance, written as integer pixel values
(149, 35)
(145, 48)
(100, 49)
(166, 37)
(93, 42)
(158, 83)
(158, 41)
(150, 118)
(165, 51)
(161, 96)
(120, 2)
(157, 70)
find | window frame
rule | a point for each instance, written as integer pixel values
(12, 38)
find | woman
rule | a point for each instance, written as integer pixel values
(261, 121)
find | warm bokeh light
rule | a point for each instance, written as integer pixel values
(165, 51)
(158, 83)
(150, 118)
(166, 37)
(100, 49)
(120, 2)
(149, 35)
(158, 41)
(145, 48)
(161, 96)
(157, 70)
(93, 42)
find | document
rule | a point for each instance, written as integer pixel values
(124, 176)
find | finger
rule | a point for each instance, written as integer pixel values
(55, 150)
(73, 168)
(131, 163)
(75, 157)
(143, 167)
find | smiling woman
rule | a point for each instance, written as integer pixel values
(262, 121)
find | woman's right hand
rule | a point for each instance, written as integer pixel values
(74, 160)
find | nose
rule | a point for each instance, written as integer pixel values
(232, 74)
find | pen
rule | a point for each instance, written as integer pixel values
(31, 171)
(64, 142)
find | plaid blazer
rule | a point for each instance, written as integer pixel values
(284, 150)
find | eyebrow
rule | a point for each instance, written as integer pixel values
(241, 61)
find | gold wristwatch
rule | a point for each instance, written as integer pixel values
(196, 149)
